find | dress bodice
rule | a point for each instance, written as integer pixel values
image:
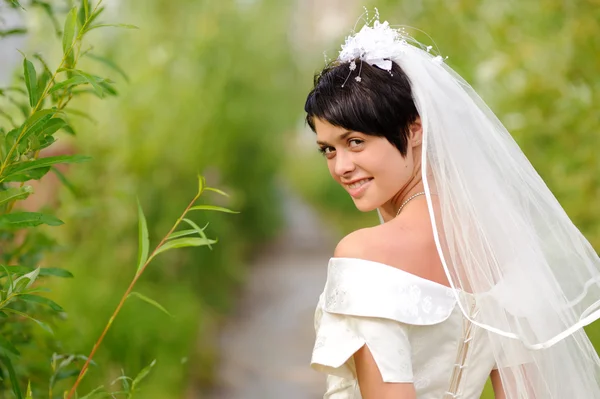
(412, 326)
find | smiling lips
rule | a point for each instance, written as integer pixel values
(357, 187)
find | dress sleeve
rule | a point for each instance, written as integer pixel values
(340, 336)
(368, 303)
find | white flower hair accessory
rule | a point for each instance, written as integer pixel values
(376, 45)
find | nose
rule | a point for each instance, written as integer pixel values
(343, 163)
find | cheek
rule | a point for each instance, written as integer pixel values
(393, 171)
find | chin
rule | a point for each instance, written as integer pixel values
(365, 206)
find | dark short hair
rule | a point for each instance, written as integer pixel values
(380, 104)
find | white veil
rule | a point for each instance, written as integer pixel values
(499, 231)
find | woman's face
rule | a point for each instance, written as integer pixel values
(369, 168)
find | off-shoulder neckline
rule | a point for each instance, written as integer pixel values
(385, 266)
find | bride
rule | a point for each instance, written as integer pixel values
(475, 271)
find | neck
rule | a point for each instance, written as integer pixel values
(388, 211)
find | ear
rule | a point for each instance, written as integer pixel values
(415, 133)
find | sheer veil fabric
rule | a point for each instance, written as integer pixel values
(500, 233)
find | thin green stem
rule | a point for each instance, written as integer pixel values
(5, 302)
(124, 298)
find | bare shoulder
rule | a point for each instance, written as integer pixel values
(356, 244)
(404, 244)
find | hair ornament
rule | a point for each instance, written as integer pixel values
(377, 43)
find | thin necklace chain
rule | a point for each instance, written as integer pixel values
(412, 197)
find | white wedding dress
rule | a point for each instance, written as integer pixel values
(412, 326)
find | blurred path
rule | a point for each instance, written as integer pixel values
(267, 344)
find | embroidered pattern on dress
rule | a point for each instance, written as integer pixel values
(336, 297)
(415, 301)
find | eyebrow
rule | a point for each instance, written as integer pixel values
(342, 137)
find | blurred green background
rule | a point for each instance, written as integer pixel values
(218, 87)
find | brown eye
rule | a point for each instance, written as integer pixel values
(355, 142)
(326, 150)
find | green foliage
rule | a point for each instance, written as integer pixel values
(22, 307)
(209, 90)
(41, 107)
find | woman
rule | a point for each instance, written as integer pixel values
(475, 272)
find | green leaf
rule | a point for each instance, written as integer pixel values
(69, 129)
(151, 302)
(36, 122)
(29, 395)
(211, 208)
(69, 31)
(37, 290)
(63, 374)
(143, 240)
(11, 137)
(45, 142)
(183, 242)
(83, 12)
(44, 326)
(42, 83)
(126, 26)
(95, 81)
(45, 162)
(13, 88)
(55, 272)
(197, 229)
(14, 381)
(124, 382)
(19, 220)
(84, 359)
(142, 374)
(93, 393)
(71, 82)
(30, 81)
(181, 233)
(38, 57)
(13, 31)
(201, 184)
(17, 4)
(15, 193)
(95, 14)
(80, 113)
(34, 174)
(41, 300)
(9, 278)
(110, 64)
(23, 282)
(7, 346)
(86, 8)
(51, 127)
(216, 190)
(108, 87)
(63, 179)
